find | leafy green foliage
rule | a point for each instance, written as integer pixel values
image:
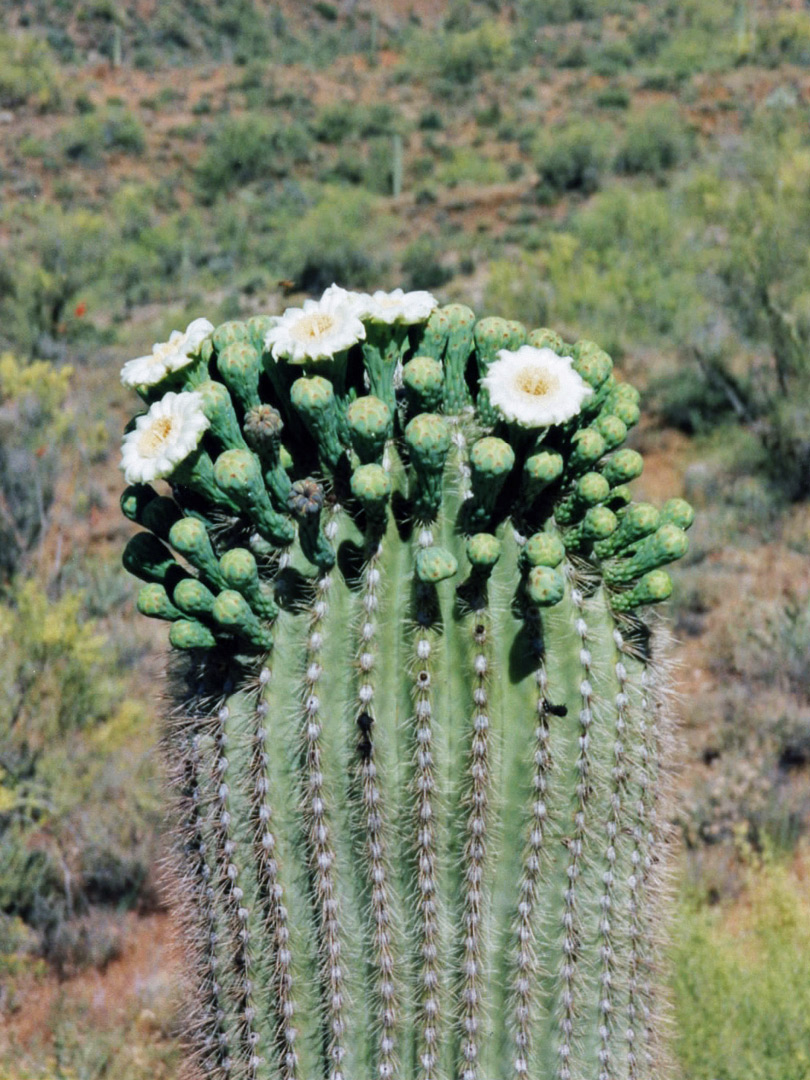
(742, 991)
(572, 158)
(248, 148)
(28, 74)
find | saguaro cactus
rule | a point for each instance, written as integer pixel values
(417, 739)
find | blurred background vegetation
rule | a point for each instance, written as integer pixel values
(635, 173)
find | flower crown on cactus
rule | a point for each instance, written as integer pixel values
(404, 562)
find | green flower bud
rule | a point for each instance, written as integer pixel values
(679, 512)
(241, 573)
(314, 399)
(371, 486)
(435, 564)
(188, 634)
(637, 521)
(612, 430)
(190, 538)
(370, 425)
(483, 551)
(587, 446)
(218, 407)
(153, 601)
(545, 586)
(146, 558)
(597, 524)
(193, 598)
(653, 588)
(591, 363)
(539, 471)
(427, 438)
(622, 467)
(135, 499)
(239, 475)
(258, 325)
(239, 366)
(491, 461)
(228, 333)
(232, 611)
(423, 379)
(544, 549)
(590, 490)
(543, 338)
(666, 544)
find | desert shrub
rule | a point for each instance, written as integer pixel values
(54, 255)
(656, 140)
(247, 148)
(33, 426)
(460, 56)
(335, 123)
(28, 74)
(467, 166)
(572, 158)
(784, 37)
(87, 138)
(337, 239)
(78, 797)
(613, 97)
(422, 267)
(741, 983)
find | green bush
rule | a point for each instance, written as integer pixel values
(467, 166)
(572, 158)
(459, 57)
(247, 148)
(656, 140)
(28, 74)
(89, 137)
(421, 266)
(784, 38)
(339, 239)
(741, 983)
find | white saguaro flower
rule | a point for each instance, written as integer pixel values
(400, 307)
(317, 330)
(535, 387)
(163, 437)
(166, 356)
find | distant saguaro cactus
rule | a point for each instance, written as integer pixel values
(418, 741)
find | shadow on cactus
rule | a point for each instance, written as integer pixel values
(418, 743)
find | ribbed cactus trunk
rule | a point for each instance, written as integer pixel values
(417, 741)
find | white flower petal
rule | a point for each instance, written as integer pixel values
(171, 355)
(317, 330)
(535, 387)
(400, 307)
(163, 437)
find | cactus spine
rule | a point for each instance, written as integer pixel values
(418, 738)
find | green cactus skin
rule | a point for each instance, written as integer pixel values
(419, 743)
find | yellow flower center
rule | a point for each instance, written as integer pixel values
(152, 440)
(312, 326)
(536, 382)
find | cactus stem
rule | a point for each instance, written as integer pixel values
(428, 993)
(374, 822)
(321, 854)
(236, 911)
(572, 931)
(526, 960)
(607, 1004)
(212, 1037)
(271, 893)
(474, 853)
